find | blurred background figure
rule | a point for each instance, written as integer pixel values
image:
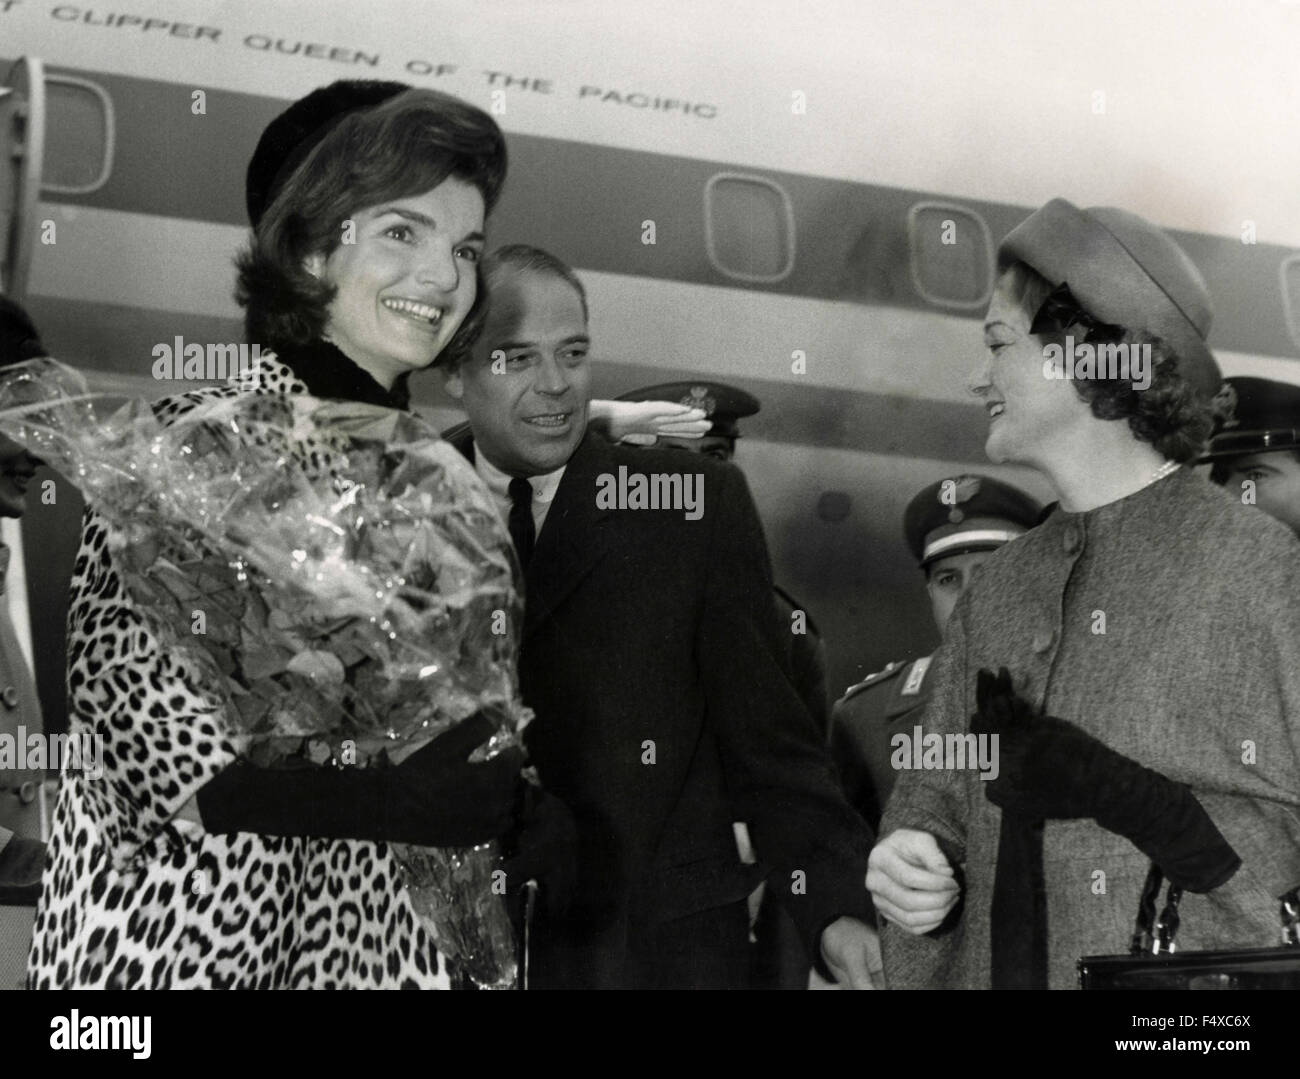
(725, 406)
(779, 959)
(952, 527)
(1257, 442)
(22, 854)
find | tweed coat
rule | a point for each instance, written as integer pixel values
(1166, 624)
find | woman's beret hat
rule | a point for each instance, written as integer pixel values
(1124, 270)
(292, 135)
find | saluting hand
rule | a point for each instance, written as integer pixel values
(644, 421)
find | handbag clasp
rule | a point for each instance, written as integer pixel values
(1167, 924)
(1291, 917)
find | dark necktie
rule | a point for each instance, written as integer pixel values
(522, 529)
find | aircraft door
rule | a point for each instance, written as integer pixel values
(22, 153)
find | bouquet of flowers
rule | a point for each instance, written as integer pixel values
(336, 573)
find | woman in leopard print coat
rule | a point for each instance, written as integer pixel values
(181, 866)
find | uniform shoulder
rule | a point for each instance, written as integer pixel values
(887, 673)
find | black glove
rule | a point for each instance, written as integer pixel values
(22, 861)
(543, 847)
(437, 795)
(434, 798)
(1049, 769)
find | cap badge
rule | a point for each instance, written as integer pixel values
(956, 491)
(966, 488)
(699, 398)
(1224, 406)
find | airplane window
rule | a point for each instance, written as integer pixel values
(78, 136)
(1291, 295)
(748, 227)
(952, 255)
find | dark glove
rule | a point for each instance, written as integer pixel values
(434, 798)
(543, 847)
(22, 861)
(1049, 769)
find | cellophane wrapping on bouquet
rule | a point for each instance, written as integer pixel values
(334, 571)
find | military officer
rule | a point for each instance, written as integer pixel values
(952, 527)
(22, 854)
(779, 960)
(725, 406)
(1256, 445)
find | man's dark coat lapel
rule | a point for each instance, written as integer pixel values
(575, 536)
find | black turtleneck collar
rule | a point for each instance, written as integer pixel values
(329, 373)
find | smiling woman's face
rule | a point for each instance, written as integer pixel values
(1028, 412)
(407, 282)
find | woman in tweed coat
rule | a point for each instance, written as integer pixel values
(1154, 617)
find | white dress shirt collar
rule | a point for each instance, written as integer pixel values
(498, 482)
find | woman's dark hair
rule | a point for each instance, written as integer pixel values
(405, 146)
(1168, 413)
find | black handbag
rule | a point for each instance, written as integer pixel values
(1154, 962)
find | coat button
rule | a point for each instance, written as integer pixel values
(1042, 641)
(9, 696)
(1071, 541)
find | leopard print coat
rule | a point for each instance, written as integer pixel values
(135, 896)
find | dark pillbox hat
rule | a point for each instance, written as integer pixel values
(1126, 271)
(292, 135)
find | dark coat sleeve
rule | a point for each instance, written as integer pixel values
(849, 747)
(778, 771)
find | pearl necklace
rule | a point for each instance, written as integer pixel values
(1166, 469)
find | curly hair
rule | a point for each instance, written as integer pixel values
(1168, 413)
(405, 146)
